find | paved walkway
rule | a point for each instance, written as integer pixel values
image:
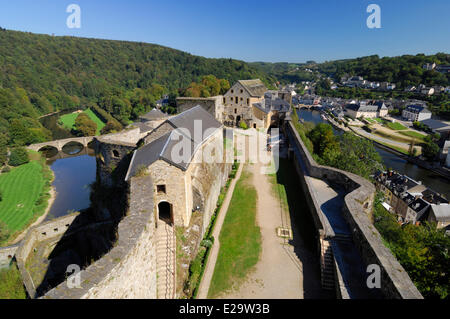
(209, 269)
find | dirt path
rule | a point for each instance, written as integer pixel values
(279, 272)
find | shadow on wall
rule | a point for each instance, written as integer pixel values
(86, 240)
(303, 231)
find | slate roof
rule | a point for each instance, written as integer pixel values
(362, 108)
(184, 126)
(255, 88)
(442, 212)
(436, 125)
(417, 109)
(154, 114)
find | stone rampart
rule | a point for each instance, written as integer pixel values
(395, 282)
(36, 234)
(128, 270)
(7, 255)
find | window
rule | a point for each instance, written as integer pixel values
(116, 153)
(224, 100)
(235, 111)
(232, 91)
(242, 99)
(161, 189)
(242, 91)
(248, 101)
(237, 100)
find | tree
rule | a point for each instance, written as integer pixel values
(84, 126)
(430, 149)
(111, 127)
(323, 138)
(19, 156)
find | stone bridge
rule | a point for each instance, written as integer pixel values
(59, 144)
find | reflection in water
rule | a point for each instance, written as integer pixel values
(73, 175)
(435, 182)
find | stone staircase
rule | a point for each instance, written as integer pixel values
(165, 261)
(327, 266)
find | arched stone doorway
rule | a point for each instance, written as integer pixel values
(165, 213)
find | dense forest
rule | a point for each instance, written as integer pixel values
(41, 74)
(286, 73)
(402, 70)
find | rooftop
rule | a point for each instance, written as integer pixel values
(255, 88)
(194, 125)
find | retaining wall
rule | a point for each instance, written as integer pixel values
(395, 282)
(129, 269)
(7, 255)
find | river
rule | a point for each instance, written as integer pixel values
(75, 170)
(433, 181)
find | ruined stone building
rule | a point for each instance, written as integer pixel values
(245, 102)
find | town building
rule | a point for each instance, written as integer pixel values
(429, 66)
(416, 113)
(443, 68)
(366, 110)
(247, 101)
(411, 201)
(239, 103)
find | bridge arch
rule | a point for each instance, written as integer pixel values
(72, 147)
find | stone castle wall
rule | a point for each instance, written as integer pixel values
(395, 282)
(214, 105)
(45, 231)
(129, 269)
(112, 162)
(7, 255)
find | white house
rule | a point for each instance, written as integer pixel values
(416, 113)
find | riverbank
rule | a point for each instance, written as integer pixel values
(40, 218)
(401, 154)
(28, 196)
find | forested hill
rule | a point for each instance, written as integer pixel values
(402, 70)
(41, 74)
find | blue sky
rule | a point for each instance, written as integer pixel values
(273, 31)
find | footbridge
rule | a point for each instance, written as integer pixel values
(59, 144)
(347, 241)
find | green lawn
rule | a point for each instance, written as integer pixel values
(25, 194)
(11, 285)
(396, 126)
(68, 120)
(240, 239)
(413, 134)
(378, 120)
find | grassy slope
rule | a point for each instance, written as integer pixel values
(413, 134)
(11, 286)
(395, 126)
(21, 188)
(240, 239)
(68, 120)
